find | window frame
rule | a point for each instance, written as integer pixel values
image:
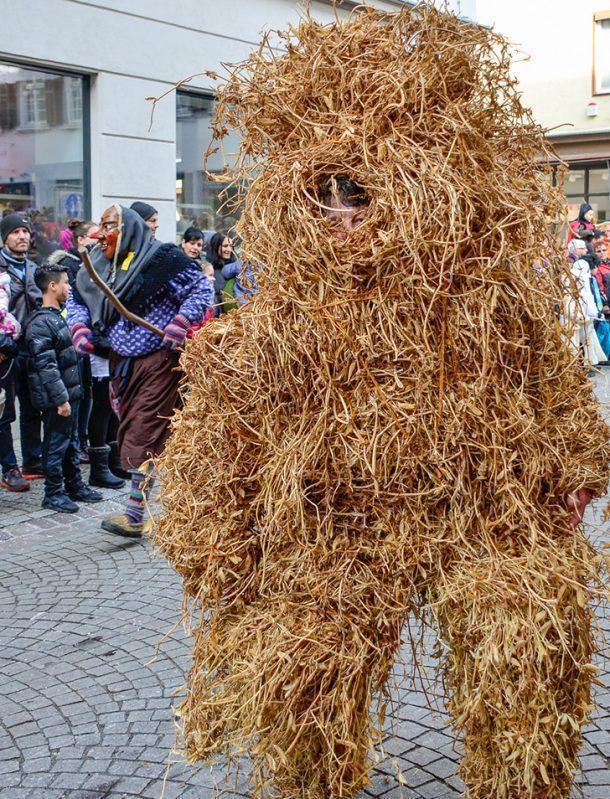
(598, 16)
(205, 94)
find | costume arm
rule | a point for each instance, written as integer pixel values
(195, 294)
(76, 311)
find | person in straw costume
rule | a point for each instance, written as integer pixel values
(390, 424)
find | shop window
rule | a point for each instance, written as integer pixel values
(574, 182)
(588, 184)
(42, 147)
(198, 199)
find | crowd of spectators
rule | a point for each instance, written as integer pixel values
(58, 370)
(590, 266)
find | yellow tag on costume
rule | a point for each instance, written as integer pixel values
(127, 262)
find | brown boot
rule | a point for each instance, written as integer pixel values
(119, 524)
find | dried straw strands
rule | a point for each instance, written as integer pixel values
(392, 424)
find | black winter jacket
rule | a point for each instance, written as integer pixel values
(52, 360)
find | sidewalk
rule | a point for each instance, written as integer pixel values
(91, 663)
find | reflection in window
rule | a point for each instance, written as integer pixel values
(574, 182)
(198, 200)
(33, 104)
(598, 181)
(41, 150)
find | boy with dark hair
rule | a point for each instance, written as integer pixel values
(55, 389)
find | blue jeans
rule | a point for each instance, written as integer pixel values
(16, 385)
(60, 451)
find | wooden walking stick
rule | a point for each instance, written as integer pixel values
(131, 317)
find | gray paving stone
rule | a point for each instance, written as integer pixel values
(421, 756)
(442, 768)
(599, 777)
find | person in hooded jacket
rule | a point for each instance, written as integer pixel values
(160, 283)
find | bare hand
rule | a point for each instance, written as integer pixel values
(577, 502)
(64, 409)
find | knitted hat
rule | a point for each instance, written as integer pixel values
(12, 222)
(143, 209)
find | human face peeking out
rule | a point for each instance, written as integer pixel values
(153, 224)
(90, 237)
(108, 234)
(344, 218)
(345, 205)
(193, 247)
(225, 249)
(600, 248)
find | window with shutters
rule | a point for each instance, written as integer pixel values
(33, 105)
(73, 99)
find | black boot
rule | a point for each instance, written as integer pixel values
(100, 475)
(114, 462)
(82, 493)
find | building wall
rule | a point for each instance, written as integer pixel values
(135, 49)
(555, 38)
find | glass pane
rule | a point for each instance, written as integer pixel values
(602, 55)
(598, 181)
(197, 198)
(574, 183)
(601, 206)
(573, 207)
(41, 151)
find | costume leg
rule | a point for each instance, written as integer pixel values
(141, 486)
(518, 647)
(301, 681)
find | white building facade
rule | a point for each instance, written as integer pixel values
(75, 122)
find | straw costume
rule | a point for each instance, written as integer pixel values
(389, 425)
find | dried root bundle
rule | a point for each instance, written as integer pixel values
(392, 424)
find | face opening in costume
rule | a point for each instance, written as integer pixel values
(345, 204)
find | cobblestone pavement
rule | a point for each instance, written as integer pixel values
(91, 661)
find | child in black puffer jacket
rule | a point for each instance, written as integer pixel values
(55, 389)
